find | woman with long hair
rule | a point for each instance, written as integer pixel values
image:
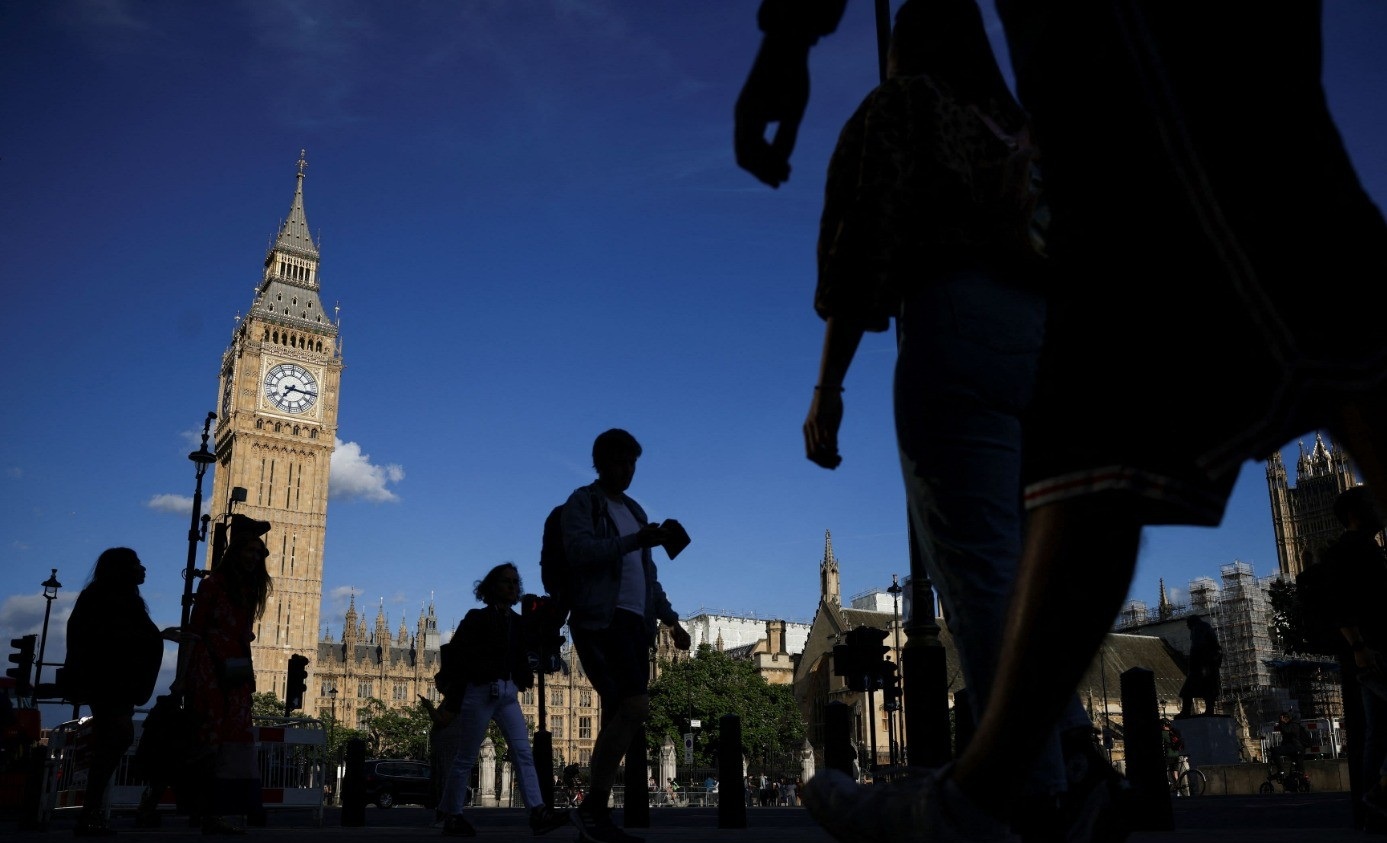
(492, 668)
(221, 677)
(114, 652)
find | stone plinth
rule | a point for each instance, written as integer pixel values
(1210, 739)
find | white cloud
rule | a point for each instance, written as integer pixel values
(355, 478)
(180, 504)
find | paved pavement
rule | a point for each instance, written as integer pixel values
(1279, 818)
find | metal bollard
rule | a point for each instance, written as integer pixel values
(731, 804)
(1150, 808)
(838, 751)
(924, 673)
(964, 724)
(354, 785)
(637, 812)
(544, 764)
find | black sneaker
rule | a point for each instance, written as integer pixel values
(596, 826)
(458, 826)
(545, 819)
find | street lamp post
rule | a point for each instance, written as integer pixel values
(201, 458)
(332, 695)
(50, 593)
(897, 714)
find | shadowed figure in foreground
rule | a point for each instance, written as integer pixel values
(932, 218)
(1178, 345)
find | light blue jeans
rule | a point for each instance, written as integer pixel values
(968, 344)
(479, 709)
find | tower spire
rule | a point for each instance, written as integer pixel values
(294, 236)
(829, 588)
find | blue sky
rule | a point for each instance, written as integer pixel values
(531, 219)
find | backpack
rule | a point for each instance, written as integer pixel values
(448, 673)
(553, 562)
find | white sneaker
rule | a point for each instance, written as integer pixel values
(920, 809)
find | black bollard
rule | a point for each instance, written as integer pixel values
(354, 785)
(637, 813)
(1146, 766)
(924, 674)
(964, 724)
(838, 751)
(731, 798)
(544, 764)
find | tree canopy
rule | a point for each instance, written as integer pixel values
(712, 684)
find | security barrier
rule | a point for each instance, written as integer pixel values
(291, 754)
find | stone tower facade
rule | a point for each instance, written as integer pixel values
(276, 425)
(1302, 516)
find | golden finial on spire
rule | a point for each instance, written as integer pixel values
(303, 160)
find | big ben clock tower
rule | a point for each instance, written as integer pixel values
(276, 424)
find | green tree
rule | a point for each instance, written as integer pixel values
(710, 685)
(266, 704)
(1287, 618)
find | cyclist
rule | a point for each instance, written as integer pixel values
(1294, 739)
(1174, 749)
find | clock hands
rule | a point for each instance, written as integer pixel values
(291, 388)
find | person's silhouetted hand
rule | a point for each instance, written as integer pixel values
(776, 91)
(680, 636)
(652, 535)
(821, 428)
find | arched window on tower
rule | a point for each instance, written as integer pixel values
(259, 424)
(277, 427)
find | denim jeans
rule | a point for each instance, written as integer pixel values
(479, 709)
(968, 344)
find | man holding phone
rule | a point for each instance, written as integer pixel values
(616, 606)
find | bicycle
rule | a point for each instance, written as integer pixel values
(1186, 780)
(1295, 781)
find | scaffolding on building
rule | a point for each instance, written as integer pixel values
(1259, 681)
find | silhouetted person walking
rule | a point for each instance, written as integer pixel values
(221, 676)
(489, 667)
(1180, 345)
(114, 652)
(617, 604)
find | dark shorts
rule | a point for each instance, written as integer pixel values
(617, 658)
(1213, 271)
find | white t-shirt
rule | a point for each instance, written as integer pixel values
(632, 594)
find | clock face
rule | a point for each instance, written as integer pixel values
(226, 395)
(291, 387)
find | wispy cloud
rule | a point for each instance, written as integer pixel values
(354, 477)
(170, 503)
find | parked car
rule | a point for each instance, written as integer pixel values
(391, 782)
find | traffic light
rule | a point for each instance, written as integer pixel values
(541, 622)
(298, 684)
(23, 659)
(859, 660)
(890, 686)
